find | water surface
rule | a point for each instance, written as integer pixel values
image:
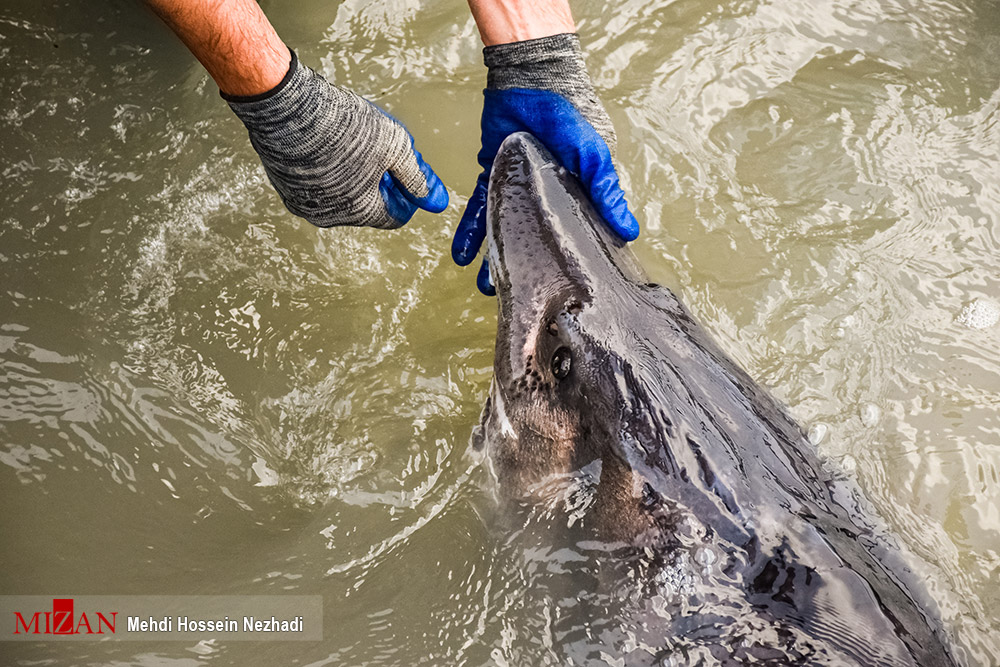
(201, 394)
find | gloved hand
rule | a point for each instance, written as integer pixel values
(334, 157)
(541, 86)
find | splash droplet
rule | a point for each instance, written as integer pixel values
(817, 433)
(870, 414)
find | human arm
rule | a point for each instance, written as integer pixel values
(506, 21)
(538, 83)
(333, 157)
(232, 39)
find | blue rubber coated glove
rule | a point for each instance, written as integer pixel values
(334, 157)
(541, 86)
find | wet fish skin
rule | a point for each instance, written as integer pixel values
(595, 364)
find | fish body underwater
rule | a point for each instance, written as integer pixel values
(596, 367)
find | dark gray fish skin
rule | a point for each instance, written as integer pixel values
(594, 364)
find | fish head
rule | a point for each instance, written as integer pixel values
(564, 284)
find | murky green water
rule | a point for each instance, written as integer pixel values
(203, 395)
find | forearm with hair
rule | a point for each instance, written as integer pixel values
(232, 39)
(506, 21)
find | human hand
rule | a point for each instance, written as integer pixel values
(541, 86)
(334, 157)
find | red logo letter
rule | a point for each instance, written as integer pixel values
(34, 621)
(111, 625)
(83, 622)
(62, 616)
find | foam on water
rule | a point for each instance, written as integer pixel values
(980, 314)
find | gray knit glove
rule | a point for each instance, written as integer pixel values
(541, 86)
(334, 157)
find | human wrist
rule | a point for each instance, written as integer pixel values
(290, 74)
(507, 21)
(261, 76)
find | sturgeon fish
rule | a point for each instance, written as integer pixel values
(595, 365)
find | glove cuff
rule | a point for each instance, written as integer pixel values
(292, 99)
(554, 47)
(552, 63)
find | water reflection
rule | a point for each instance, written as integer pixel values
(216, 398)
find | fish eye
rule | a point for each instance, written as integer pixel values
(561, 362)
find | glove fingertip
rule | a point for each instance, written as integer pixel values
(471, 229)
(628, 226)
(436, 200)
(484, 281)
(609, 198)
(397, 204)
(465, 245)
